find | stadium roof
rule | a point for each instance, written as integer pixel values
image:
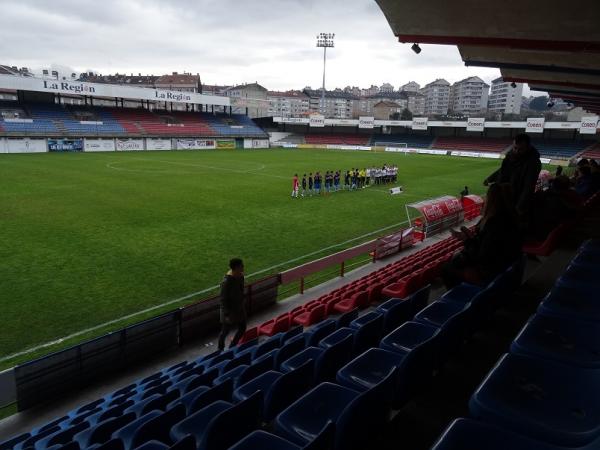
(553, 46)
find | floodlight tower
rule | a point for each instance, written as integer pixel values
(324, 41)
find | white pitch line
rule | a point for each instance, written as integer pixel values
(187, 297)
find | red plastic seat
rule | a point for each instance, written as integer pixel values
(251, 333)
(274, 326)
(358, 300)
(404, 287)
(374, 293)
(546, 247)
(311, 317)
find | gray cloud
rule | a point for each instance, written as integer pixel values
(226, 41)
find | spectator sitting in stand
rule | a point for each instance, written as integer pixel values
(492, 247)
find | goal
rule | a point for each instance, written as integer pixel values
(393, 146)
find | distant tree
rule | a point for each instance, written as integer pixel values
(395, 116)
(539, 103)
(406, 114)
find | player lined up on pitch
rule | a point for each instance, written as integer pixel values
(334, 181)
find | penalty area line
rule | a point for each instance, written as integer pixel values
(188, 296)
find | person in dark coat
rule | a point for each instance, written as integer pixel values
(233, 313)
(491, 248)
(520, 168)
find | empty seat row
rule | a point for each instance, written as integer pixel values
(545, 393)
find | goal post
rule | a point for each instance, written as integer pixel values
(400, 147)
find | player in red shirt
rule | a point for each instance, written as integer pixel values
(295, 186)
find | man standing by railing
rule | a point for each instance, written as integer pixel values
(233, 313)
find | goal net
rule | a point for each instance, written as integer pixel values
(393, 146)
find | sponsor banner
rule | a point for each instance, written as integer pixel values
(19, 120)
(588, 125)
(302, 120)
(124, 145)
(158, 144)
(348, 147)
(366, 122)
(317, 120)
(401, 150)
(194, 144)
(347, 122)
(227, 144)
(426, 151)
(286, 145)
(260, 143)
(535, 125)
(107, 90)
(475, 124)
(65, 145)
(99, 145)
(545, 160)
(419, 123)
(90, 122)
(562, 125)
(396, 190)
(393, 123)
(467, 154)
(24, 145)
(490, 155)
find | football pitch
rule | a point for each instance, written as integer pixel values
(88, 239)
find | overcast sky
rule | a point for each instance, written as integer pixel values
(226, 41)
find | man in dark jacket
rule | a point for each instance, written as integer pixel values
(233, 313)
(520, 168)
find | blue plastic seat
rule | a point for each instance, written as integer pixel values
(68, 446)
(365, 319)
(102, 432)
(572, 342)
(385, 306)
(291, 333)
(571, 302)
(113, 444)
(396, 315)
(437, 313)
(272, 343)
(206, 379)
(231, 425)
(221, 391)
(291, 347)
(246, 346)
(31, 440)
(153, 445)
(139, 404)
(195, 423)
(306, 355)
(60, 437)
(406, 337)
(468, 434)
(158, 428)
(126, 433)
(221, 424)
(357, 416)
(462, 293)
(419, 299)
(542, 399)
(369, 334)
(259, 366)
(319, 331)
(337, 336)
(346, 318)
(14, 441)
(232, 375)
(261, 440)
(242, 359)
(280, 389)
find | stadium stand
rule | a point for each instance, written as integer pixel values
(109, 121)
(560, 148)
(412, 141)
(472, 144)
(543, 393)
(592, 152)
(343, 139)
(350, 372)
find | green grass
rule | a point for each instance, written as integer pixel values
(89, 238)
